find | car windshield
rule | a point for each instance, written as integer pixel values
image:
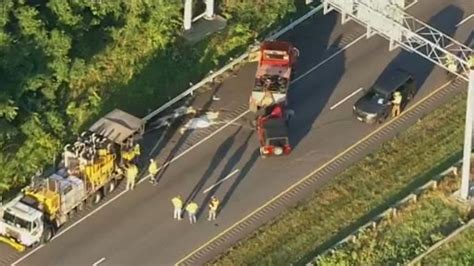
(15, 221)
(277, 142)
(376, 96)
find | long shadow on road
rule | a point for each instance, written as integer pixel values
(216, 160)
(309, 101)
(242, 174)
(421, 68)
(230, 165)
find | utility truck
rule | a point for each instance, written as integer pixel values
(276, 60)
(89, 170)
(272, 130)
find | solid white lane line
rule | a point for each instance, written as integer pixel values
(182, 154)
(98, 262)
(220, 181)
(345, 99)
(329, 58)
(411, 4)
(231, 122)
(27, 255)
(464, 20)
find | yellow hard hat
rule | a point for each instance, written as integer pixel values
(397, 93)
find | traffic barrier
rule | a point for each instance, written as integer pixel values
(230, 66)
(393, 209)
(438, 244)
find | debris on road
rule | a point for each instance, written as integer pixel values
(203, 121)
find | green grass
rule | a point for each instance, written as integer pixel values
(399, 239)
(459, 251)
(352, 197)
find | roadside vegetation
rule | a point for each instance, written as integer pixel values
(64, 63)
(397, 240)
(362, 190)
(459, 251)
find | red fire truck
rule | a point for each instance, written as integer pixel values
(269, 96)
(272, 80)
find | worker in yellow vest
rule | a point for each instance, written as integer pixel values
(131, 175)
(396, 103)
(213, 205)
(178, 207)
(136, 152)
(192, 208)
(450, 63)
(152, 171)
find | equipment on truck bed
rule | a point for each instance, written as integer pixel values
(274, 72)
(89, 170)
(122, 129)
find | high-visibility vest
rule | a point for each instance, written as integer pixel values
(177, 202)
(192, 208)
(153, 168)
(136, 149)
(132, 172)
(471, 61)
(397, 99)
(214, 204)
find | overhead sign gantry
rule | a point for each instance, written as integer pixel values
(388, 19)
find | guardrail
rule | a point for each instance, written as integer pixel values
(441, 242)
(393, 209)
(230, 65)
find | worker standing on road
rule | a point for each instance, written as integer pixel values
(136, 152)
(152, 171)
(178, 207)
(450, 63)
(192, 208)
(396, 102)
(213, 205)
(131, 174)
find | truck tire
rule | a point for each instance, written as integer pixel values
(80, 207)
(110, 187)
(47, 234)
(95, 198)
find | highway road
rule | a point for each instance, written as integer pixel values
(136, 228)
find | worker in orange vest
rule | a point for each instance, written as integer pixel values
(213, 205)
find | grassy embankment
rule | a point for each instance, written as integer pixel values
(458, 251)
(398, 240)
(362, 190)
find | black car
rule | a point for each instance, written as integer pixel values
(375, 105)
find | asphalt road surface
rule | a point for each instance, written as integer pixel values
(136, 228)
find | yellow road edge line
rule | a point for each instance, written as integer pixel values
(316, 171)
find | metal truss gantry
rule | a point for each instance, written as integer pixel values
(388, 19)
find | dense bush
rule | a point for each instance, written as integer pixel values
(64, 62)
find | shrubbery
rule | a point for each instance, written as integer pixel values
(63, 63)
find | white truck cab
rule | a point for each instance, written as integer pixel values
(21, 223)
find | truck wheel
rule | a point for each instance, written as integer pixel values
(80, 207)
(71, 214)
(96, 198)
(110, 187)
(47, 234)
